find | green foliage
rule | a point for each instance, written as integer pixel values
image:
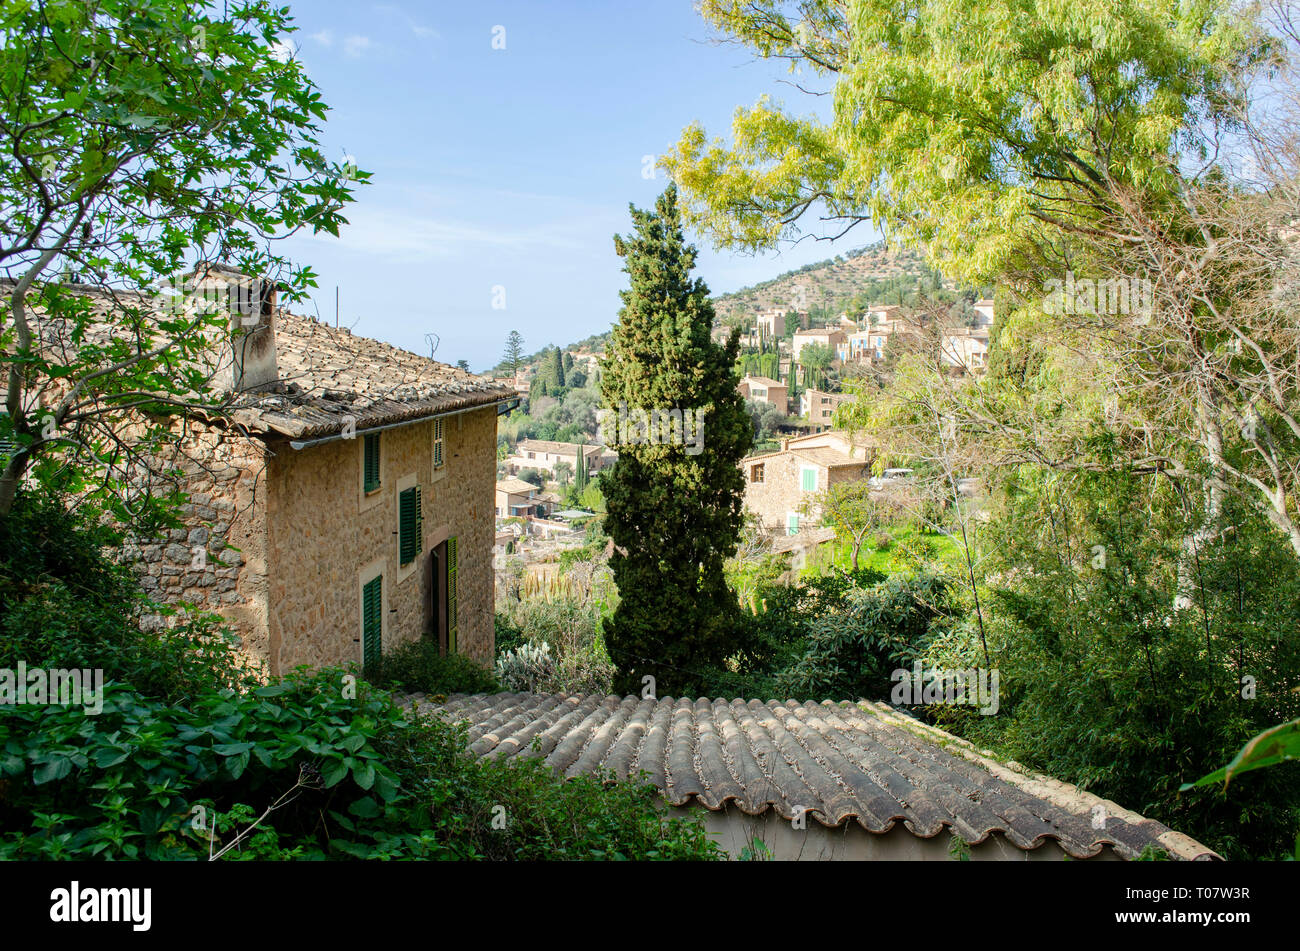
(1108, 684)
(851, 652)
(674, 515)
(370, 781)
(138, 136)
(420, 666)
(1281, 744)
(63, 604)
(956, 144)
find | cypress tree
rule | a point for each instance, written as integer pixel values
(674, 513)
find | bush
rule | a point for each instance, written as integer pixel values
(852, 652)
(525, 667)
(64, 604)
(419, 666)
(570, 627)
(353, 777)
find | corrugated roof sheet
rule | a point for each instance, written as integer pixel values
(862, 762)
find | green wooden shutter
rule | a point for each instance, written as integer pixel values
(371, 462)
(372, 621)
(410, 524)
(453, 563)
(437, 444)
(809, 477)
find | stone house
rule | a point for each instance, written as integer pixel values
(965, 350)
(339, 504)
(770, 324)
(818, 407)
(516, 498)
(544, 455)
(830, 337)
(778, 484)
(765, 390)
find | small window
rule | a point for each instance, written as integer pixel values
(438, 459)
(371, 478)
(410, 524)
(372, 621)
(808, 480)
(756, 472)
(792, 523)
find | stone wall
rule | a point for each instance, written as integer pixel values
(217, 560)
(325, 537)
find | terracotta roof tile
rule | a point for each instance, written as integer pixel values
(841, 762)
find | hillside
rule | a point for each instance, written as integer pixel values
(873, 273)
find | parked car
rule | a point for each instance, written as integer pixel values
(889, 476)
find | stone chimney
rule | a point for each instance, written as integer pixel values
(251, 303)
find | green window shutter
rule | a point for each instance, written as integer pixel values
(792, 524)
(371, 477)
(372, 621)
(809, 480)
(437, 444)
(410, 524)
(453, 563)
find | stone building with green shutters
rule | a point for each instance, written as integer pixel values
(374, 523)
(341, 504)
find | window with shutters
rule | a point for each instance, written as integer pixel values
(438, 458)
(370, 463)
(792, 523)
(453, 563)
(410, 524)
(372, 621)
(808, 480)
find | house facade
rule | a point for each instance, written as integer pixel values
(818, 407)
(765, 390)
(544, 455)
(338, 505)
(778, 485)
(516, 498)
(830, 337)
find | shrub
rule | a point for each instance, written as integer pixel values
(851, 653)
(419, 666)
(525, 667)
(64, 604)
(353, 776)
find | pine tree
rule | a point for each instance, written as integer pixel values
(514, 354)
(674, 514)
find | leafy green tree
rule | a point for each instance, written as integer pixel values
(674, 509)
(853, 511)
(139, 136)
(816, 359)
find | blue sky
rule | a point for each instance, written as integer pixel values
(515, 167)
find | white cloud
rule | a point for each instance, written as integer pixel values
(408, 235)
(355, 45)
(324, 38)
(421, 31)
